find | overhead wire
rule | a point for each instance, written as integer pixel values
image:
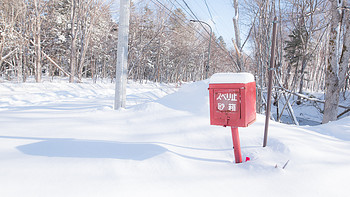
(159, 4)
(183, 8)
(217, 44)
(190, 14)
(169, 12)
(211, 16)
(199, 10)
(196, 17)
(219, 19)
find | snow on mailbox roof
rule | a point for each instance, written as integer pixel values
(231, 78)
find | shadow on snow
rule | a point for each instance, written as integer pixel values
(76, 148)
(65, 147)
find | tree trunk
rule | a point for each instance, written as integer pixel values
(302, 73)
(84, 45)
(238, 37)
(332, 69)
(286, 79)
(86, 30)
(37, 42)
(73, 44)
(345, 54)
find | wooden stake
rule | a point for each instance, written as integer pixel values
(272, 66)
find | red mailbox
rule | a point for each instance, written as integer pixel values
(232, 103)
(232, 99)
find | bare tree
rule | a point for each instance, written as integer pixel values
(237, 42)
(38, 9)
(73, 62)
(336, 64)
(345, 53)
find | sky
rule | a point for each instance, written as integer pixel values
(218, 13)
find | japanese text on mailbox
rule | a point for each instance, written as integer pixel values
(227, 101)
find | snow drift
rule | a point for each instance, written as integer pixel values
(60, 139)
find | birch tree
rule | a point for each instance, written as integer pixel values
(338, 58)
(237, 43)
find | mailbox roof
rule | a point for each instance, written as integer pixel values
(231, 78)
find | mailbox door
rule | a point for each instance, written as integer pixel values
(227, 106)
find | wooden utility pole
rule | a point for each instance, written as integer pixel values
(122, 55)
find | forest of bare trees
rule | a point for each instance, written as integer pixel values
(77, 39)
(312, 49)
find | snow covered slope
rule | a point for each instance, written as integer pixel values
(60, 139)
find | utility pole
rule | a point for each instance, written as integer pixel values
(122, 55)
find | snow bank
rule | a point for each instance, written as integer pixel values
(339, 129)
(65, 140)
(192, 97)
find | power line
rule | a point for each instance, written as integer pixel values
(209, 8)
(195, 16)
(170, 11)
(201, 23)
(226, 51)
(181, 7)
(178, 18)
(211, 16)
(199, 6)
(190, 14)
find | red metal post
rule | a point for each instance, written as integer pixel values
(236, 144)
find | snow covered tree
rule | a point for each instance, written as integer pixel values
(37, 13)
(10, 13)
(57, 36)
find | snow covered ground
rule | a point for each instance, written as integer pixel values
(309, 112)
(61, 139)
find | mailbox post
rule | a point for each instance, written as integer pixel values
(232, 99)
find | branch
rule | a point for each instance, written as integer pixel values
(54, 63)
(308, 98)
(6, 56)
(344, 112)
